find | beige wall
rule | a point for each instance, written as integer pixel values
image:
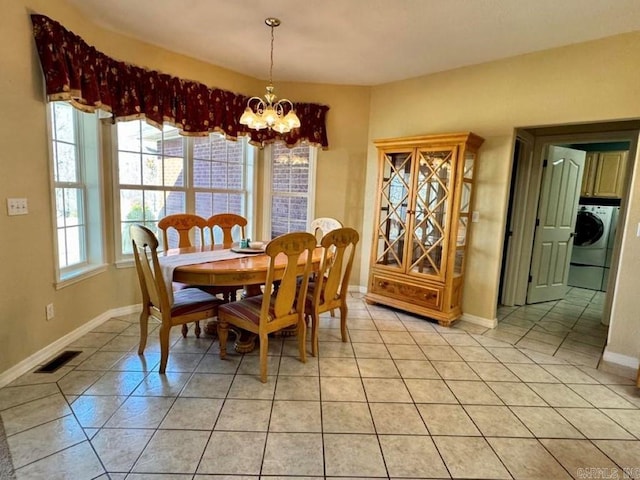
(583, 83)
(26, 256)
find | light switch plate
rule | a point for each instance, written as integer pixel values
(17, 206)
(475, 217)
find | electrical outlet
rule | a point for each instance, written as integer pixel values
(475, 216)
(50, 312)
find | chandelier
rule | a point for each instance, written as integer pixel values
(267, 113)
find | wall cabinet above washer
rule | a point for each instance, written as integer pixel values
(604, 174)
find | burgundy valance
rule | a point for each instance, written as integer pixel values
(90, 80)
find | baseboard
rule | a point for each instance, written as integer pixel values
(357, 289)
(619, 364)
(483, 322)
(50, 350)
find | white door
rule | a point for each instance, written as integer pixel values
(555, 224)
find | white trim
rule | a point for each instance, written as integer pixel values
(357, 289)
(620, 359)
(483, 322)
(47, 352)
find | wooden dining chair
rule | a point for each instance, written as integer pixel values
(322, 225)
(189, 304)
(182, 223)
(226, 222)
(330, 287)
(277, 308)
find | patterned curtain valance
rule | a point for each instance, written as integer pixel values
(90, 80)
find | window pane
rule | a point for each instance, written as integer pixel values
(201, 174)
(129, 169)
(63, 124)
(66, 163)
(75, 252)
(175, 204)
(131, 205)
(73, 206)
(174, 172)
(151, 170)
(129, 136)
(204, 204)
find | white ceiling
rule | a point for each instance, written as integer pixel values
(360, 42)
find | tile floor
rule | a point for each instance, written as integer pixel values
(404, 398)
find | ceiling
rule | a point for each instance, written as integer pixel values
(360, 42)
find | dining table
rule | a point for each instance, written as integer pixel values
(214, 265)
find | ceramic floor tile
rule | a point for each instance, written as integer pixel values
(354, 456)
(371, 350)
(473, 392)
(601, 396)
(169, 384)
(221, 454)
(78, 461)
(385, 390)
(536, 346)
(594, 424)
(428, 338)
(493, 372)
(297, 388)
(569, 374)
(334, 349)
(248, 387)
(207, 385)
(406, 352)
(119, 449)
(625, 453)
(470, 457)
(338, 367)
(430, 391)
(133, 362)
(509, 355)
(454, 370)
(346, 417)
(416, 369)
(531, 373)
(527, 458)
(36, 412)
(100, 361)
(244, 415)
(460, 339)
(474, 354)
(140, 412)
(342, 389)
(294, 366)
(186, 449)
(390, 325)
(497, 421)
(375, 367)
(116, 383)
(365, 336)
(628, 419)
(578, 457)
(447, 420)
(558, 395)
(445, 353)
(545, 422)
(76, 382)
(397, 418)
(399, 338)
(44, 440)
(293, 454)
(94, 411)
(192, 414)
(213, 364)
(513, 393)
(250, 365)
(295, 416)
(412, 456)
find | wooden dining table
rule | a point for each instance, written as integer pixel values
(248, 272)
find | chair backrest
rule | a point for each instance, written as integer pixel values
(286, 303)
(323, 225)
(182, 223)
(332, 282)
(145, 253)
(226, 222)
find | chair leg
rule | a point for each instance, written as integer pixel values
(144, 330)
(333, 313)
(302, 340)
(314, 333)
(264, 349)
(197, 330)
(164, 347)
(223, 333)
(343, 321)
(185, 329)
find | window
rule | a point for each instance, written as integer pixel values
(160, 172)
(77, 191)
(289, 173)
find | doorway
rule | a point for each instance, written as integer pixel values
(578, 306)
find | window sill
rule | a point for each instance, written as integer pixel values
(126, 263)
(80, 275)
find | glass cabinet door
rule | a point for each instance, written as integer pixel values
(464, 215)
(432, 209)
(394, 207)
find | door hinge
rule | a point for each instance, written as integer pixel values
(530, 279)
(544, 163)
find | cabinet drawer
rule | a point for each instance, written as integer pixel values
(421, 295)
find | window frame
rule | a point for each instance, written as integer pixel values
(123, 260)
(87, 145)
(268, 188)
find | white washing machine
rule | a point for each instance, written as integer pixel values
(589, 256)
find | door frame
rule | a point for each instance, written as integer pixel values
(527, 195)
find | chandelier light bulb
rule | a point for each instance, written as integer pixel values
(266, 112)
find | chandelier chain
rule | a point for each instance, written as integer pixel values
(271, 58)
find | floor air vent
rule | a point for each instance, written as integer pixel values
(58, 361)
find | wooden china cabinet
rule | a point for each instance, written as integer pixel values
(422, 219)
